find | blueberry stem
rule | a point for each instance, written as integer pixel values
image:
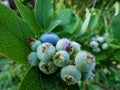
(84, 86)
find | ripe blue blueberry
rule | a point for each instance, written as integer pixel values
(84, 61)
(45, 51)
(61, 58)
(50, 38)
(32, 59)
(64, 44)
(70, 74)
(48, 67)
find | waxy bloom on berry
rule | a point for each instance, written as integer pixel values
(45, 51)
(61, 58)
(70, 74)
(65, 44)
(85, 61)
(47, 67)
(32, 59)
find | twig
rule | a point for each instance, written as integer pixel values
(84, 86)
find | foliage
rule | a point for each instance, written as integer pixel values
(10, 74)
(14, 32)
(78, 23)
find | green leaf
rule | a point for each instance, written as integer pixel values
(115, 25)
(14, 34)
(60, 6)
(44, 12)
(28, 17)
(95, 15)
(35, 80)
(32, 80)
(69, 21)
(102, 55)
(53, 25)
(117, 55)
(117, 8)
(115, 44)
(95, 87)
(86, 22)
(66, 34)
(51, 82)
(77, 32)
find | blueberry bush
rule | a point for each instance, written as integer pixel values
(64, 44)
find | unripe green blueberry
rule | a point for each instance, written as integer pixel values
(45, 51)
(64, 44)
(105, 46)
(32, 59)
(85, 61)
(88, 76)
(70, 74)
(101, 39)
(96, 50)
(48, 67)
(76, 47)
(61, 58)
(94, 44)
(35, 44)
(106, 71)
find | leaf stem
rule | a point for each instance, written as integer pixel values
(84, 86)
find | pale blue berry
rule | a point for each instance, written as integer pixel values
(94, 38)
(35, 44)
(76, 47)
(84, 61)
(70, 74)
(45, 51)
(50, 38)
(32, 59)
(48, 67)
(61, 58)
(88, 76)
(101, 39)
(96, 50)
(105, 46)
(94, 44)
(64, 44)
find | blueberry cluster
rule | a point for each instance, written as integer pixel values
(98, 43)
(51, 53)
